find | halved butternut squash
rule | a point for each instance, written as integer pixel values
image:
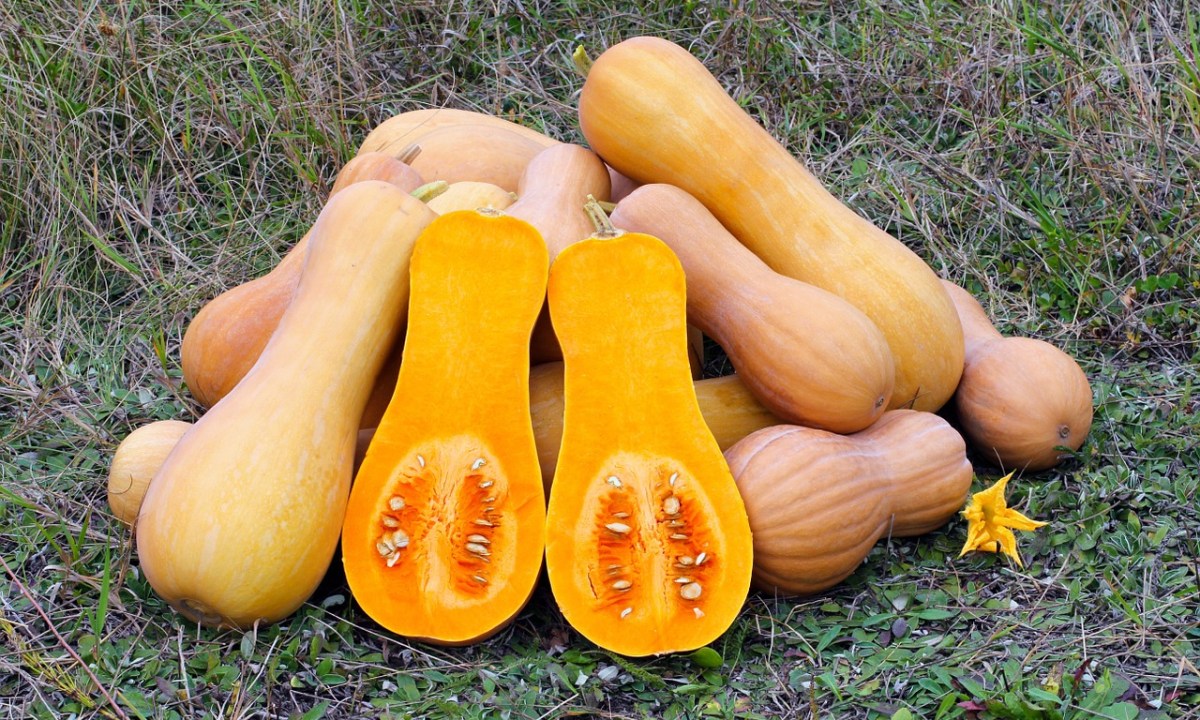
(648, 547)
(443, 534)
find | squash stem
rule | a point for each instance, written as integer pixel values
(583, 63)
(409, 153)
(605, 230)
(430, 190)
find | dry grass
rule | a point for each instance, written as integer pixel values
(1044, 155)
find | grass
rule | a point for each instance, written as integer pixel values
(1043, 154)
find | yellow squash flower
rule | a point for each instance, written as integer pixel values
(991, 522)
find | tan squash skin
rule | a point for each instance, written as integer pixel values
(444, 530)
(655, 114)
(137, 459)
(471, 195)
(225, 338)
(808, 355)
(241, 522)
(552, 192)
(818, 502)
(481, 153)
(647, 549)
(405, 128)
(1019, 398)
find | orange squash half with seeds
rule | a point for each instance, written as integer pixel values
(444, 531)
(648, 546)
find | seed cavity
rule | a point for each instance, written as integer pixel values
(396, 503)
(618, 528)
(671, 505)
(614, 481)
(477, 549)
(626, 611)
(691, 591)
(479, 462)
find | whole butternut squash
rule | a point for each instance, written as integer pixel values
(818, 502)
(481, 153)
(240, 523)
(403, 129)
(471, 195)
(655, 114)
(811, 357)
(1020, 399)
(137, 459)
(224, 339)
(648, 550)
(445, 527)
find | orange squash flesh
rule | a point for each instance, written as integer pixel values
(654, 113)
(445, 526)
(648, 548)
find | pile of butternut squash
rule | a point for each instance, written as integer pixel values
(467, 368)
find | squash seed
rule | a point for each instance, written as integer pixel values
(385, 547)
(420, 460)
(489, 500)
(671, 505)
(393, 559)
(699, 612)
(678, 536)
(618, 528)
(675, 524)
(625, 612)
(479, 462)
(396, 503)
(686, 561)
(485, 484)
(683, 580)
(701, 558)
(477, 549)
(622, 585)
(389, 521)
(400, 539)
(674, 477)
(483, 523)
(691, 591)
(614, 481)
(479, 579)
(621, 515)
(482, 540)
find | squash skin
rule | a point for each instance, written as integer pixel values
(224, 339)
(818, 502)
(811, 357)
(471, 195)
(136, 460)
(480, 153)
(456, 431)
(392, 135)
(1019, 398)
(655, 114)
(275, 455)
(551, 195)
(624, 432)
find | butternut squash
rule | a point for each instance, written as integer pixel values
(480, 153)
(224, 339)
(648, 549)
(403, 129)
(444, 531)
(808, 355)
(241, 521)
(1022, 402)
(471, 195)
(818, 502)
(655, 114)
(137, 459)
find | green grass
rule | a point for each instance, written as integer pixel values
(1043, 154)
